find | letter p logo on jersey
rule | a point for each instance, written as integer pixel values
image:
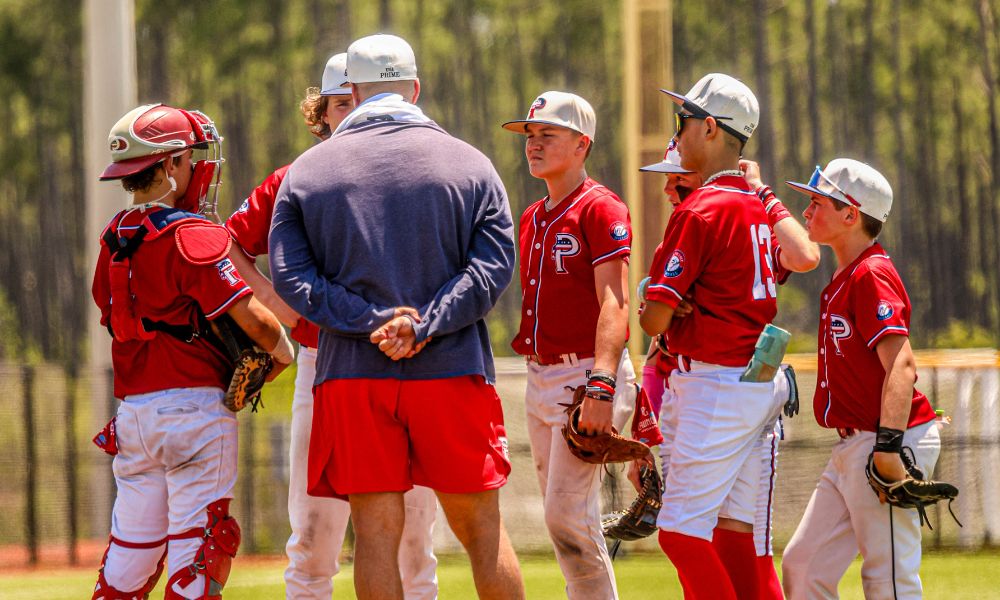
(566, 245)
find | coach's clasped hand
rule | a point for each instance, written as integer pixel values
(397, 339)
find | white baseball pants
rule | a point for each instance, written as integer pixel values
(319, 524)
(844, 517)
(177, 453)
(715, 434)
(766, 452)
(570, 487)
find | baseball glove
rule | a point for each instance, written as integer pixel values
(602, 448)
(912, 492)
(639, 520)
(251, 365)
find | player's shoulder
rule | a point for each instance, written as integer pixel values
(595, 192)
(533, 209)
(276, 177)
(194, 239)
(877, 265)
(596, 200)
(727, 192)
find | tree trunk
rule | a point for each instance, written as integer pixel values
(762, 70)
(991, 251)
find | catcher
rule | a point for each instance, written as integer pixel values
(865, 391)
(163, 282)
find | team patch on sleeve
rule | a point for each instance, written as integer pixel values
(619, 231)
(227, 271)
(675, 265)
(884, 310)
(244, 207)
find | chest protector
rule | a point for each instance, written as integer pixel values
(199, 242)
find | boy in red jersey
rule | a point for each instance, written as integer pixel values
(793, 252)
(719, 254)
(865, 390)
(574, 248)
(162, 275)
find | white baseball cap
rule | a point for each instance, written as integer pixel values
(379, 58)
(558, 108)
(671, 162)
(335, 81)
(853, 183)
(727, 99)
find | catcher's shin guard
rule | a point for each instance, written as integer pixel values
(105, 591)
(214, 558)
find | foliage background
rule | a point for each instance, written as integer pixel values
(908, 86)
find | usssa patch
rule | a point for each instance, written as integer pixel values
(884, 310)
(619, 231)
(675, 266)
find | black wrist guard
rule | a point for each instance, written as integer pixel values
(888, 440)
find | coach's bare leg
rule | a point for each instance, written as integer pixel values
(378, 526)
(475, 520)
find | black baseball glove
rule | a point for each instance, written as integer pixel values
(791, 407)
(913, 491)
(639, 520)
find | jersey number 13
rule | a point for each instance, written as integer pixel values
(763, 270)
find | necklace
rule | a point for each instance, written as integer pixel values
(734, 172)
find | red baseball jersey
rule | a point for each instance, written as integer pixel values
(250, 226)
(559, 250)
(166, 287)
(718, 250)
(862, 305)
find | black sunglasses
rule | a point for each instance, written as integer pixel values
(679, 119)
(698, 113)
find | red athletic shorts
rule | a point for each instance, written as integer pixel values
(387, 435)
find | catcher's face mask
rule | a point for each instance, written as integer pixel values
(202, 192)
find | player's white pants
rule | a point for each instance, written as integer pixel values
(766, 452)
(762, 520)
(177, 453)
(715, 432)
(844, 516)
(319, 524)
(571, 487)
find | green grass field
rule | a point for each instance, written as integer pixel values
(956, 576)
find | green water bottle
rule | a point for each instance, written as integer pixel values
(767, 354)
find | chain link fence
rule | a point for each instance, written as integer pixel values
(56, 488)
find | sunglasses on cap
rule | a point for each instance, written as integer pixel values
(679, 119)
(820, 182)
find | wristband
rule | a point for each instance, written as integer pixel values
(601, 385)
(283, 351)
(763, 192)
(888, 440)
(775, 210)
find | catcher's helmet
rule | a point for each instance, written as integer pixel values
(150, 133)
